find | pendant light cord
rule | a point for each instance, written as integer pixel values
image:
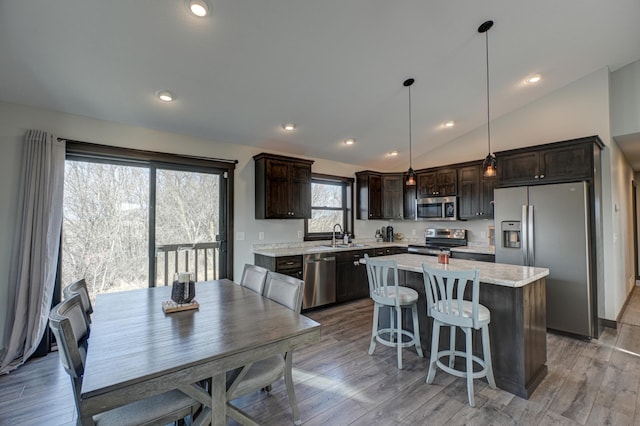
(410, 154)
(488, 115)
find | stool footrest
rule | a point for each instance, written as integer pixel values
(461, 373)
(393, 333)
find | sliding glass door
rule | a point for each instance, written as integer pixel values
(132, 224)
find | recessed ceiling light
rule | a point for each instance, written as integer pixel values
(393, 154)
(199, 8)
(289, 127)
(165, 96)
(534, 79)
(449, 123)
(349, 141)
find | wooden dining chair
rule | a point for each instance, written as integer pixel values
(68, 323)
(80, 287)
(287, 291)
(254, 278)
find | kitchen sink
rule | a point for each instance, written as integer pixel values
(342, 246)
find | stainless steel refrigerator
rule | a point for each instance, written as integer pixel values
(548, 226)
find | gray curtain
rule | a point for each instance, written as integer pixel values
(35, 247)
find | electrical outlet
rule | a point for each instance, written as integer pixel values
(261, 235)
(413, 232)
(300, 234)
(240, 236)
(483, 235)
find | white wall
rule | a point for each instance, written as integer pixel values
(625, 100)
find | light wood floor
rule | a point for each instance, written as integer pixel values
(337, 383)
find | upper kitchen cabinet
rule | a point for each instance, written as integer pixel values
(283, 187)
(565, 161)
(437, 183)
(475, 193)
(393, 196)
(369, 195)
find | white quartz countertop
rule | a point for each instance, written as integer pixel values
(300, 248)
(293, 249)
(492, 273)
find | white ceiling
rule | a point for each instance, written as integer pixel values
(333, 67)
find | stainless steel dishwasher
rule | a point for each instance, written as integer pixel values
(319, 275)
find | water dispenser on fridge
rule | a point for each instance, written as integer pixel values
(511, 234)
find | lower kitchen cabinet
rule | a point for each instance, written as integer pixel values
(288, 265)
(351, 276)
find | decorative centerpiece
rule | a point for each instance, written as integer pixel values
(183, 292)
(183, 289)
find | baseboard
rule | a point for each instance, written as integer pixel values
(608, 323)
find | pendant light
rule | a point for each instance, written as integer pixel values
(489, 164)
(411, 175)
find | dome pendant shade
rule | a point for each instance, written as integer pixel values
(489, 164)
(411, 175)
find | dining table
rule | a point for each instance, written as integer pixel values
(136, 350)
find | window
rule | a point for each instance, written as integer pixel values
(331, 204)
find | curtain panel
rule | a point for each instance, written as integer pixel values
(35, 247)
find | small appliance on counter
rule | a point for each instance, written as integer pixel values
(389, 236)
(439, 240)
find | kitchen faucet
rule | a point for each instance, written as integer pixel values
(333, 238)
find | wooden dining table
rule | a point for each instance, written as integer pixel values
(136, 350)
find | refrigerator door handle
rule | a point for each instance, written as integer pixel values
(530, 242)
(524, 229)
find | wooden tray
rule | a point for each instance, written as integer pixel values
(169, 306)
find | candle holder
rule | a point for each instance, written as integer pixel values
(183, 289)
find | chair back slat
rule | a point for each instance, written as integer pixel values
(285, 290)
(445, 295)
(254, 278)
(383, 280)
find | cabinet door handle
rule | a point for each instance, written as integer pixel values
(536, 177)
(541, 176)
(290, 263)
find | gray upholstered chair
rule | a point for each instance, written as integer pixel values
(254, 278)
(385, 292)
(287, 291)
(446, 305)
(80, 287)
(68, 322)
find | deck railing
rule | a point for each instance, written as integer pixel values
(202, 259)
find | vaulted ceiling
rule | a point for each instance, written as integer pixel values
(334, 68)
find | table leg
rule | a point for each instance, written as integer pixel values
(219, 400)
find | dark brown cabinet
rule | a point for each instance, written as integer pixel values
(288, 265)
(439, 183)
(283, 187)
(550, 163)
(393, 196)
(475, 193)
(369, 195)
(351, 275)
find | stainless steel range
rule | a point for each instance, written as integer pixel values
(439, 240)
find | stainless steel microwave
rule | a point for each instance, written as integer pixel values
(437, 208)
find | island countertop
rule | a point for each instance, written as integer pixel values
(492, 273)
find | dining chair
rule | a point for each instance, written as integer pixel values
(68, 323)
(446, 305)
(394, 297)
(80, 287)
(287, 291)
(254, 278)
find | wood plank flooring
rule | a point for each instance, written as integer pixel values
(337, 383)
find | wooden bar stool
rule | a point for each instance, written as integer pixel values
(446, 305)
(396, 297)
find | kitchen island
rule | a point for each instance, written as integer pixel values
(516, 297)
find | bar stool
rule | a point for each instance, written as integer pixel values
(446, 305)
(396, 297)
